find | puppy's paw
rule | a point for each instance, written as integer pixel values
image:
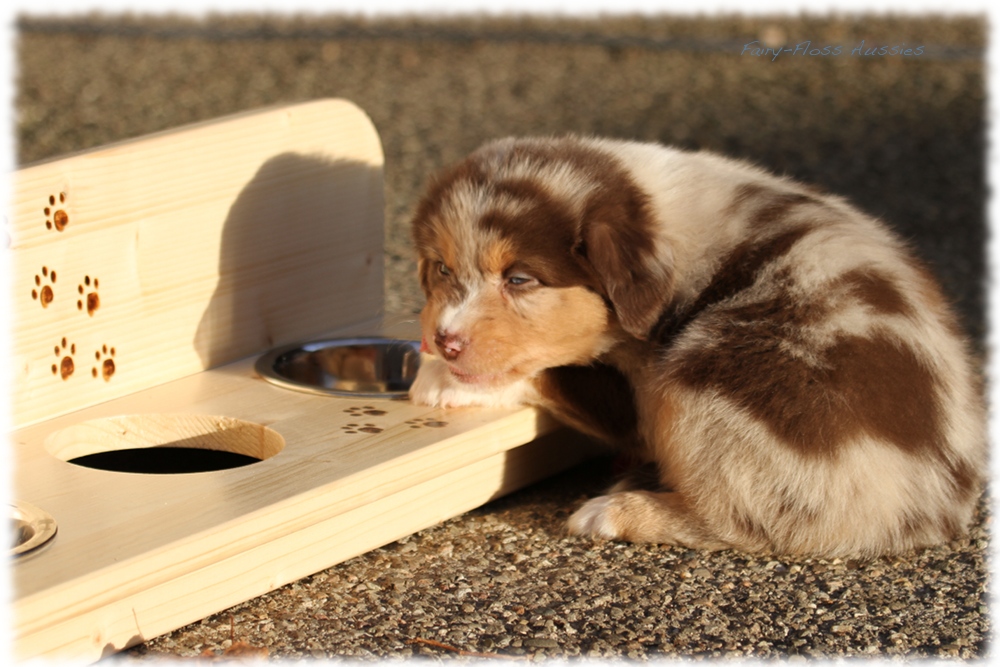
(596, 519)
(437, 387)
(434, 385)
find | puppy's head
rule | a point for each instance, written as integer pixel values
(535, 253)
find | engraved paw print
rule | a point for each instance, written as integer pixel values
(358, 412)
(429, 423)
(43, 292)
(369, 410)
(65, 366)
(105, 367)
(54, 216)
(90, 299)
(360, 428)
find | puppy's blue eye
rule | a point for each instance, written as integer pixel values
(443, 270)
(519, 281)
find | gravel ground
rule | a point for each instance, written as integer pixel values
(507, 579)
(903, 138)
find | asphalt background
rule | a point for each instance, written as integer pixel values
(903, 137)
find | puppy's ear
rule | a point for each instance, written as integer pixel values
(636, 278)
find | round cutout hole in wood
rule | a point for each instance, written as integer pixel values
(165, 444)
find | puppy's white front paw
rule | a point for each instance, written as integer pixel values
(595, 519)
(437, 387)
(432, 382)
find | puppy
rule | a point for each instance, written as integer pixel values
(788, 370)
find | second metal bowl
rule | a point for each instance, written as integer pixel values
(364, 367)
(30, 528)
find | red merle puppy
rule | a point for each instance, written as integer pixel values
(788, 370)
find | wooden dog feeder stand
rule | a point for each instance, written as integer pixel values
(148, 276)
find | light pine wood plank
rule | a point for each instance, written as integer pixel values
(139, 613)
(189, 249)
(174, 548)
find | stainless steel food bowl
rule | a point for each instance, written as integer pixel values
(30, 526)
(367, 367)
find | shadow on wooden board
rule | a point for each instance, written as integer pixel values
(297, 243)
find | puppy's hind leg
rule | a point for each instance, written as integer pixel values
(644, 516)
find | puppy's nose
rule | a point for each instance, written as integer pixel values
(450, 345)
